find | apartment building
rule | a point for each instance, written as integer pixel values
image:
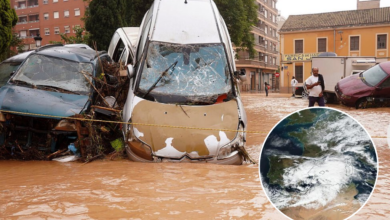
(363, 32)
(48, 18)
(263, 66)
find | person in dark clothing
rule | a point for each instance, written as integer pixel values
(316, 85)
(266, 88)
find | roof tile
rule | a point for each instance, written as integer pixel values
(330, 20)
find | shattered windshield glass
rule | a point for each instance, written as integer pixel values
(39, 70)
(200, 73)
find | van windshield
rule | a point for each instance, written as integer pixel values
(174, 73)
(374, 75)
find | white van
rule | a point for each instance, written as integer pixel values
(183, 76)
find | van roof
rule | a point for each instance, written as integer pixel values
(175, 21)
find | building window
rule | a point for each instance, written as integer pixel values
(274, 61)
(273, 4)
(56, 30)
(45, 2)
(382, 41)
(23, 34)
(266, 13)
(67, 29)
(76, 12)
(46, 16)
(266, 44)
(75, 27)
(273, 18)
(56, 15)
(55, 1)
(266, 29)
(266, 59)
(354, 45)
(298, 46)
(47, 31)
(66, 13)
(321, 44)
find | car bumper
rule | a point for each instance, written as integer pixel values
(235, 158)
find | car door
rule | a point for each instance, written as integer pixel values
(383, 89)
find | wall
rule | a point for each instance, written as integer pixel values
(368, 46)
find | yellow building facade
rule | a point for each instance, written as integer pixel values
(348, 33)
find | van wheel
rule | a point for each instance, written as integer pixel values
(361, 103)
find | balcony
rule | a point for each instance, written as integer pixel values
(260, 15)
(255, 63)
(260, 48)
(258, 31)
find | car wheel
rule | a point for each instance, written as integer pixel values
(361, 103)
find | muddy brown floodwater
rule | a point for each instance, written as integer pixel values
(124, 189)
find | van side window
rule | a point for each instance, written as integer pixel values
(118, 50)
(124, 56)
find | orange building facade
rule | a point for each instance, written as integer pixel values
(358, 36)
(48, 18)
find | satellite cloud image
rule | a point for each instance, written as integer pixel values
(318, 163)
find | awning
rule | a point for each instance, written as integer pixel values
(33, 29)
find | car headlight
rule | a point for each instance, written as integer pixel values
(345, 96)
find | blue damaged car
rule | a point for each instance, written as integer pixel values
(52, 81)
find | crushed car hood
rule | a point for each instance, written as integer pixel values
(178, 142)
(354, 85)
(29, 100)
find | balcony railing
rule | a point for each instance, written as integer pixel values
(250, 62)
(260, 15)
(258, 30)
(24, 7)
(22, 22)
(35, 21)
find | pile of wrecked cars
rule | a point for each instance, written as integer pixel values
(181, 102)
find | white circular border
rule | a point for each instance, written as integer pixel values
(388, 136)
(376, 153)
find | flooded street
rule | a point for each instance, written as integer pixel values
(124, 189)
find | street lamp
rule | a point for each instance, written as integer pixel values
(38, 40)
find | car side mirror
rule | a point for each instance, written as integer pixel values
(11, 74)
(241, 75)
(130, 71)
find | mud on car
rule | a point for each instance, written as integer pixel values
(184, 75)
(52, 83)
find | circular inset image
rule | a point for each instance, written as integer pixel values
(318, 163)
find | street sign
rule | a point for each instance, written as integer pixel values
(277, 74)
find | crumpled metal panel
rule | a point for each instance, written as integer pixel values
(181, 23)
(23, 99)
(174, 142)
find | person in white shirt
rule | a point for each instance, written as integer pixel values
(316, 85)
(293, 85)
